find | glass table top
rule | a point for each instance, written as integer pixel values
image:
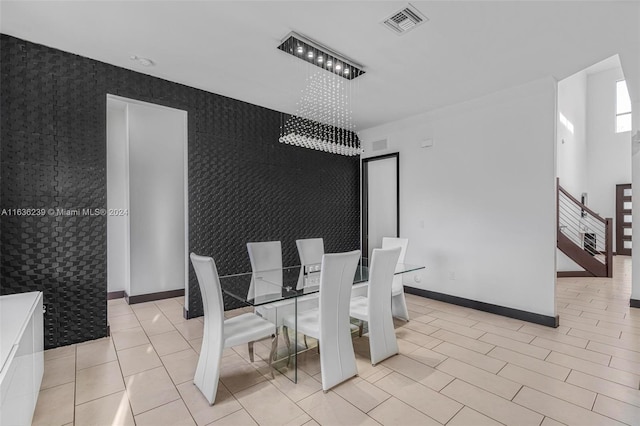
(259, 288)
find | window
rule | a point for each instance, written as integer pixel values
(623, 108)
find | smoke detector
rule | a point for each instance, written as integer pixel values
(404, 20)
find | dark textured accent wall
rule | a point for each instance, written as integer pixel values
(243, 184)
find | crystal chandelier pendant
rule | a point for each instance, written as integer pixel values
(322, 120)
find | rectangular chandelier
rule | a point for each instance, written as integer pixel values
(320, 56)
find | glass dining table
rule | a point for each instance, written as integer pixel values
(279, 293)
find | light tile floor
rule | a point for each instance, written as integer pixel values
(456, 366)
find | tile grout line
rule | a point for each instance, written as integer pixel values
(162, 364)
(378, 404)
(165, 370)
(598, 393)
(103, 396)
(484, 414)
(124, 383)
(599, 365)
(542, 414)
(458, 412)
(177, 390)
(557, 397)
(485, 390)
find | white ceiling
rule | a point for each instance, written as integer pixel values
(466, 50)
(607, 64)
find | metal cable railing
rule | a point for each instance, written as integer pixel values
(589, 235)
(581, 227)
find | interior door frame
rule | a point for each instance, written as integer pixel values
(185, 142)
(620, 223)
(365, 197)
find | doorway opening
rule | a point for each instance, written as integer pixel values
(147, 201)
(380, 200)
(593, 156)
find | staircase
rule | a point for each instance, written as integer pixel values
(584, 236)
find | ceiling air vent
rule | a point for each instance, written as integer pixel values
(405, 20)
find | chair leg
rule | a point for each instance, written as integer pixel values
(250, 344)
(207, 372)
(360, 328)
(285, 332)
(399, 307)
(272, 355)
(306, 345)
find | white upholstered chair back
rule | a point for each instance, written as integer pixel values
(398, 302)
(310, 250)
(265, 256)
(382, 335)
(391, 242)
(266, 264)
(337, 359)
(213, 336)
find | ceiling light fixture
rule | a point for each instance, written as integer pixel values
(315, 49)
(322, 120)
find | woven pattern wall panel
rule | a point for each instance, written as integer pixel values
(53, 157)
(243, 185)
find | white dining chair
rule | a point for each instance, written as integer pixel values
(266, 264)
(220, 333)
(265, 255)
(310, 251)
(375, 308)
(267, 279)
(329, 323)
(398, 302)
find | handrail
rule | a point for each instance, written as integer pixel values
(602, 267)
(585, 208)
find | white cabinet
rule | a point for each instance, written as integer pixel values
(21, 356)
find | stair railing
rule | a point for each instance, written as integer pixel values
(585, 229)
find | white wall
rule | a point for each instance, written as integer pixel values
(608, 152)
(479, 207)
(635, 262)
(572, 138)
(571, 146)
(117, 197)
(157, 195)
(382, 220)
